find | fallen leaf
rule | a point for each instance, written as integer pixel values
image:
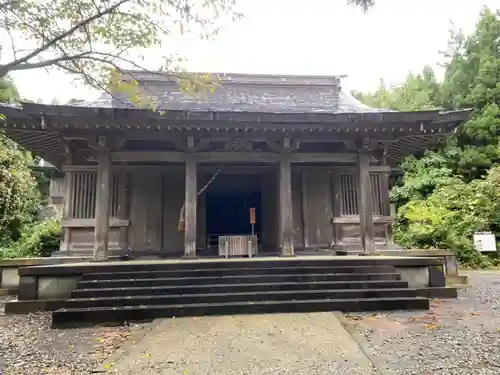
(431, 326)
(354, 317)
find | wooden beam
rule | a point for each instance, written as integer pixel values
(232, 157)
(79, 168)
(365, 203)
(285, 203)
(227, 169)
(190, 231)
(340, 168)
(257, 135)
(91, 223)
(102, 204)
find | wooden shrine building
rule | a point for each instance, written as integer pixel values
(311, 160)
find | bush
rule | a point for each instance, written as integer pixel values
(19, 195)
(449, 216)
(40, 239)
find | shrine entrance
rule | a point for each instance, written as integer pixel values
(228, 203)
(229, 214)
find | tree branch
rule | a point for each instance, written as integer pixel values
(4, 69)
(47, 63)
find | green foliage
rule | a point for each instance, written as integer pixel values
(19, 196)
(421, 177)
(39, 239)
(447, 194)
(418, 92)
(8, 91)
(451, 214)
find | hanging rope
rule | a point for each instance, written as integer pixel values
(181, 227)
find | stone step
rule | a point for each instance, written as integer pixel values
(250, 279)
(133, 274)
(219, 264)
(236, 288)
(77, 316)
(186, 299)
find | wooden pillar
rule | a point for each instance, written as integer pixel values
(190, 208)
(69, 196)
(102, 203)
(365, 203)
(285, 204)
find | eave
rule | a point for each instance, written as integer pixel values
(40, 128)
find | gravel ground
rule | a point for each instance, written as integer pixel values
(277, 344)
(28, 346)
(455, 337)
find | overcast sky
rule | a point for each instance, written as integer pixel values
(310, 37)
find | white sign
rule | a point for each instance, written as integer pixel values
(485, 242)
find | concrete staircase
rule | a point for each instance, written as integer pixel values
(147, 291)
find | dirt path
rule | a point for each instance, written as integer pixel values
(281, 344)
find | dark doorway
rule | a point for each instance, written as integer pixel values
(228, 213)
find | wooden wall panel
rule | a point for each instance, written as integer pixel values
(173, 199)
(298, 222)
(270, 218)
(201, 216)
(319, 207)
(83, 239)
(146, 211)
(349, 234)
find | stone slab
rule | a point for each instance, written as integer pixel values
(457, 280)
(286, 344)
(9, 278)
(26, 262)
(55, 287)
(417, 277)
(123, 266)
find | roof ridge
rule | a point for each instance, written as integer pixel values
(247, 78)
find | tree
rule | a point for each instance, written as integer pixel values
(447, 194)
(19, 196)
(418, 92)
(363, 4)
(95, 39)
(8, 91)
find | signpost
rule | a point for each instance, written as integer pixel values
(252, 218)
(485, 242)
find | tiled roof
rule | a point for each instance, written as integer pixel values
(249, 93)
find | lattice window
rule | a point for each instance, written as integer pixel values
(84, 196)
(349, 194)
(376, 193)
